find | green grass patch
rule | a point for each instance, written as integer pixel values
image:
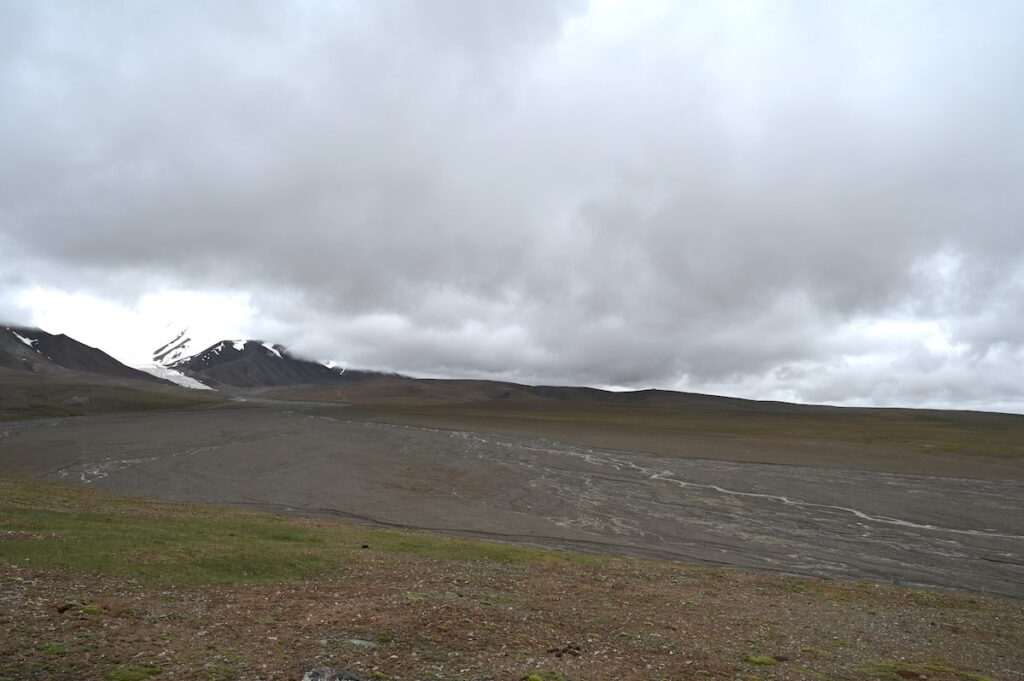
(761, 660)
(547, 675)
(132, 673)
(900, 671)
(70, 528)
(56, 648)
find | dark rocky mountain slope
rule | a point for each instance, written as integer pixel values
(255, 364)
(36, 351)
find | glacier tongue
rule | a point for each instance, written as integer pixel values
(173, 376)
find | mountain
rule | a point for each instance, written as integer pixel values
(46, 375)
(35, 351)
(167, 355)
(175, 350)
(256, 364)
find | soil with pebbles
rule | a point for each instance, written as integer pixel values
(391, 616)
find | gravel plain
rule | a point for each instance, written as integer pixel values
(924, 530)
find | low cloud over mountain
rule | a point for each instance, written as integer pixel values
(797, 201)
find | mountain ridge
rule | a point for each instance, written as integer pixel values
(32, 350)
(247, 363)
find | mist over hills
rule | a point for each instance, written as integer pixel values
(232, 365)
(246, 366)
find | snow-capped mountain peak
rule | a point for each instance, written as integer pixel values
(252, 364)
(199, 361)
(175, 351)
(172, 352)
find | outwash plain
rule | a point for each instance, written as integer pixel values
(511, 537)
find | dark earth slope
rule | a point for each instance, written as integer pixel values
(44, 375)
(36, 351)
(254, 364)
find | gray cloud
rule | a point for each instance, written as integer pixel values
(703, 197)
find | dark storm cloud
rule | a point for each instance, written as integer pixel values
(725, 195)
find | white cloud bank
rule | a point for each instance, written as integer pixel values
(817, 202)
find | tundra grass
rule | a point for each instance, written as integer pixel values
(102, 586)
(923, 431)
(30, 398)
(70, 528)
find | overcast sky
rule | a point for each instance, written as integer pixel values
(811, 201)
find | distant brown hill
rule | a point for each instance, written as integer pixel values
(397, 390)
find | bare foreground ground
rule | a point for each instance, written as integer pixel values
(944, 520)
(94, 586)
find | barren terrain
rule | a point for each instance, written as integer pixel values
(912, 527)
(98, 586)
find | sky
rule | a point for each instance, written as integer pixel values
(807, 201)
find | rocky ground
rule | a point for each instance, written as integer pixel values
(411, 607)
(94, 585)
(412, 618)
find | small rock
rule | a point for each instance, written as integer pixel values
(568, 649)
(360, 643)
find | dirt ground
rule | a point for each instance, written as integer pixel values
(398, 617)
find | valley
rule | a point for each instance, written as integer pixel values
(326, 461)
(199, 512)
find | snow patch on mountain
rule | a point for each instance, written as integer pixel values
(27, 341)
(183, 347)
(172, 352)
(334, 366)
(173, 376)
